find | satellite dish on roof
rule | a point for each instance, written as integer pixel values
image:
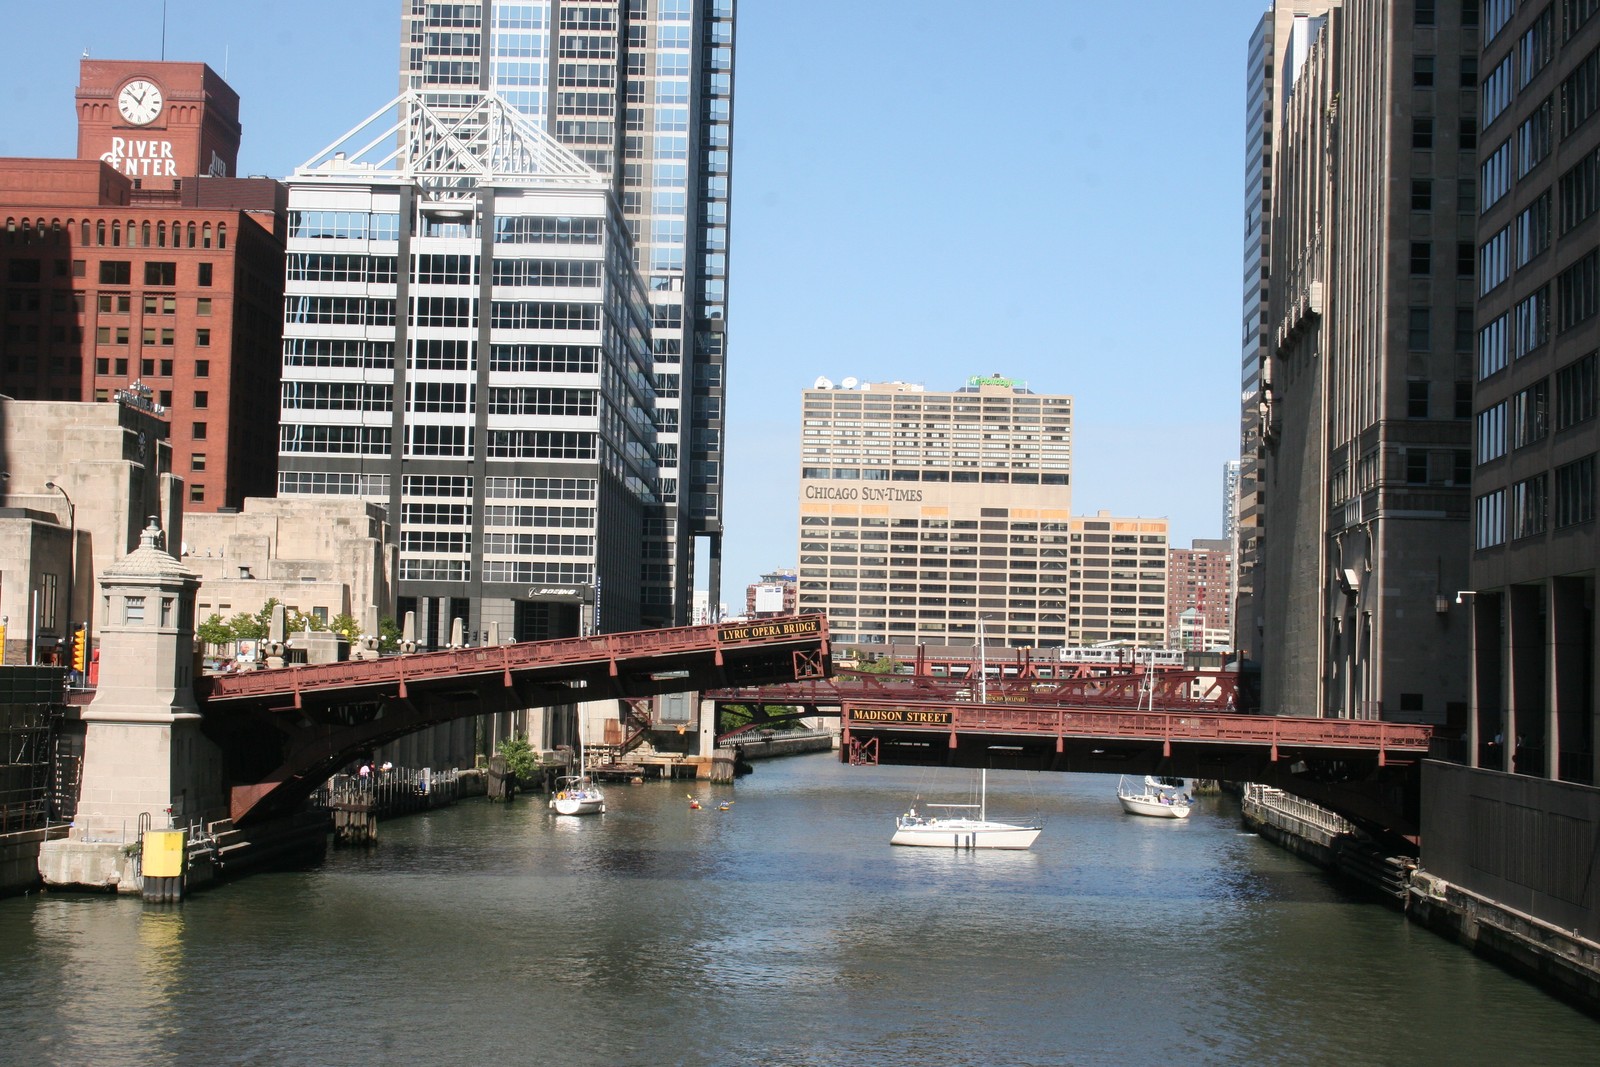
(822, 383)
(849, 383)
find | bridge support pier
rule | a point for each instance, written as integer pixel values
(146, 765)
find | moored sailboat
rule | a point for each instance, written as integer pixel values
(958, 830)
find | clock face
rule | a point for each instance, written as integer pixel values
(140, 102)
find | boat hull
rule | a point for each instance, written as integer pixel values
(1153, 808)
(578, 806)
(957, 833)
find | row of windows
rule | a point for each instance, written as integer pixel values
(525, 572)
(1525, 417)
(543, 230)
(1527, 508)
(349, 225)
(342, 352)
(339, 310)
(323, 483)
(508, 544)
(545, 517)
(337, 396)
(543, 315)
(503, 401)
(331, 267)
(544, 272)
(545, 359)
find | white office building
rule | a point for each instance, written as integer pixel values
(467, 341)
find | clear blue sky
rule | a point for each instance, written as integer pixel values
(1047, 189)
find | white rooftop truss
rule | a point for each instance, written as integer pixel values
(485, 142)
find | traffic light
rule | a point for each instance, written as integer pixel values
(80, 649)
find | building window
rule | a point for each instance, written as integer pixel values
(197, 462)
(1533, 229)
(1495, 176)
(205, 274)
(116, 272)
(202, 368)
(1580, 93)
(1574, 501)
(1416, 467)
(1422, 132)
(1576, 392)
(202, 399)
(1579, 191)
(202, 338)
(1464, 331)
(160, 273)
(1422, 72)
(1463, 405)
(198, 432)
(1492, 432)
(202, 306)
(1489, 527)
(1417, 399)
(1422, 12)
(1421, 194)
(1419, 330)
(1421, 257)
(1530, 414)
(1578, 292)
(1494, 261)
(1466, 259)
(132, 609)
(1531, 321)
(1528, 506)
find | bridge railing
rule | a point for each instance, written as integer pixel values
(1244, 729)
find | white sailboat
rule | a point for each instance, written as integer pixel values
(577, 794)
(1156, 799)
(958, 830)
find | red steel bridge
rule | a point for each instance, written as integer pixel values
(283, 732)
(1130, 721)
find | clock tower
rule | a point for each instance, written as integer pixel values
(157, 123)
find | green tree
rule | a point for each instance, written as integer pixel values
(345, 625)
(881, 665)
(521, 759)
(214, 631)
(389, 635)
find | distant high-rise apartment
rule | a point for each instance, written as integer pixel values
(642, 92)
(922, 512)
(1366, 396)
(1198, 582)
(1535, 692)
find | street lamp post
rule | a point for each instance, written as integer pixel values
(72, 551)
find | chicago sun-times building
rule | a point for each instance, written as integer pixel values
(939, 517)
(467, 341)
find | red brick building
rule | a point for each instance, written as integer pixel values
(170, 279)
(1198, 582)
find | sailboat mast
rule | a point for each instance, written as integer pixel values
(983, 795)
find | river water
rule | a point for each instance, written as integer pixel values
(784, 930)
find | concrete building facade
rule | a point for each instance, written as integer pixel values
(1366, 397)
(322, 556)
(54, 542)
(1535, 542)
(1277, 49)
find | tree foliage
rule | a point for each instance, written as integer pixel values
(521, 759)
(881, 665)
